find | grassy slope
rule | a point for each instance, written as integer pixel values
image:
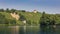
(7, 15)
(33, 17)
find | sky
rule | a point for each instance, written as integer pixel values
(49, 6)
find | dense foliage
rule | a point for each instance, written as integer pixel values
(47, 19)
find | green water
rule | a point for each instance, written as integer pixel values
(29, 30)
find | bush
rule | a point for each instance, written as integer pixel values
(29, 22)
(2, 19)
(22, 17)
(10, 21)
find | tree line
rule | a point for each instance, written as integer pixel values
(49, 19)
(10, 10)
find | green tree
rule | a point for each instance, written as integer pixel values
(22, 17)
(13, 10)
(1, 10)
(23, 11)
(42, 19)
(7, 10)
(53, 21)
(29, 22)
(2, 19)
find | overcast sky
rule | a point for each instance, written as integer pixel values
(49, 6)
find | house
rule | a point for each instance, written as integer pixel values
(35, 11)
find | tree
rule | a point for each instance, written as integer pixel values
(13, 10)
(53, 21)
(23, 10)
(1, 10)
(7, 10)
(29, 22)
(2, 18)
(22, 18)
(42, 19)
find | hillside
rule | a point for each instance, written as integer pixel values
(30, 16)
(27, 18)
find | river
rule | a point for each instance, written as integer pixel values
(29, 30)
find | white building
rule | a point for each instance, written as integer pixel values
(24, 21)
(35, 11)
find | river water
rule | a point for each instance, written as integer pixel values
(29, 30)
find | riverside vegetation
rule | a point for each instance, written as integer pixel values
(30, 17)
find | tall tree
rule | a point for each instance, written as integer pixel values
(42, 20)
(7, 10)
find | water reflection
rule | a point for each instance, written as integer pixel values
(18, 29)
(30, 29)
(22, 30)
(14, 29)
(47, 30)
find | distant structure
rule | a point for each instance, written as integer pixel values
(35, 11)
(15, 15)
(24, 21)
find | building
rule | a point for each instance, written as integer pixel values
(24, 21)
(35, 11)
